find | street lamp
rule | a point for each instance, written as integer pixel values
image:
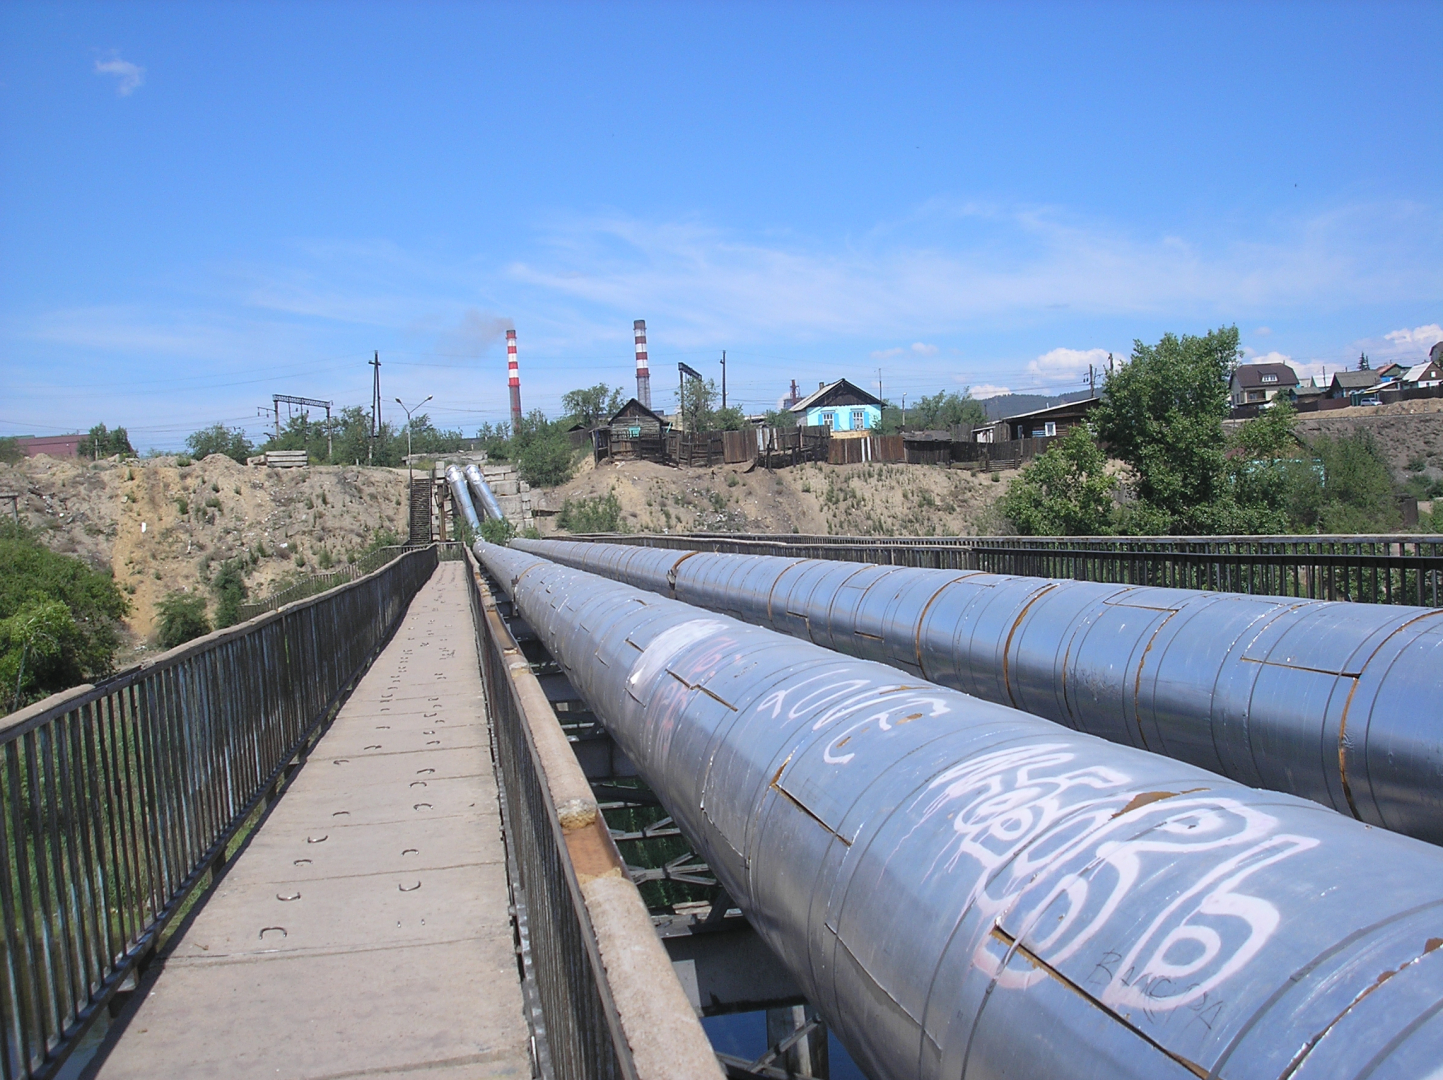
(410, 479)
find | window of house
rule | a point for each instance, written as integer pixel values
(859, 419)
(1270, 378)
(1049, 428)
(829, 419)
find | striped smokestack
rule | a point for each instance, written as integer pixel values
(513, 379)
(643, 373)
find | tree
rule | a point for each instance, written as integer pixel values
(544, 455)
(730, 419)
(219, 439)
(946, 409)
(1356, 492)
(593, 405)
(102, 442)
(781, 418)
(36, 636)
(1162, 413)
(32, 576)
(1065, 492)
(182, 618)
(10, 451)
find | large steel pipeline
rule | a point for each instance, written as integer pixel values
(1339, 703)
(484, 494)
(966, 890)
(461, 497)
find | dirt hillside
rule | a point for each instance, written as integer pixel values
(161, 527)
(866, 499)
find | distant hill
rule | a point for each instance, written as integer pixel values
(1006, 405)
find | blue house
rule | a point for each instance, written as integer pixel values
(839, 406)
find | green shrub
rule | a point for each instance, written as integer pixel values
(183, 462)
(325, 560)
(497, 531)
(10, 451)
(598, 514)
(56, 653)
(229, 587)
(182, 506)
(379, 539)
(182, 619)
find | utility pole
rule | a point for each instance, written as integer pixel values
(410, 478)
(1091, 381)
(879, 384)
(724, 378)
(375, 408)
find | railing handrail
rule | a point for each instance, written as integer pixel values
(64, 701)
(120, 797)
(650, 1031)
(963, 541)
(1395, 568)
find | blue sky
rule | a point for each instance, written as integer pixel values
(202, 204)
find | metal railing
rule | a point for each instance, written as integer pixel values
(582, 1029)
(1390, 569)
(116, 800)
(609, 1001)
(319, 583)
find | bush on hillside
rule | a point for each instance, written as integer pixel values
(598, 514)
(182, 619)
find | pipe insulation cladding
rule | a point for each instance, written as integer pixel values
(484, 495)
(1339, 703)
(461, 497)
(965, 890)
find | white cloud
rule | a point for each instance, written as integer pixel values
(886, 354)
(1264, 331)
(923, 349)
(1060, 366)
(1422, 335)
(1419, 339)
(987, 390)
(947, 268)
(130, 75)
(1306, 369)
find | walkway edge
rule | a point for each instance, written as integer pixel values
(662, 1031)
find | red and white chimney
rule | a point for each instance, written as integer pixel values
(643, 373)
(513, 380)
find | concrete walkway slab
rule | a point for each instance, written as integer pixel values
(364, 931)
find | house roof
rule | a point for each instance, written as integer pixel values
(1250, 376)
(1355, 380)
(1417, 371)
(636, 408)
(840, 392)
(1080, 407)
(1392, 371)
(1309, 389)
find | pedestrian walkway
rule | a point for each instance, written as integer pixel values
(364, 931)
